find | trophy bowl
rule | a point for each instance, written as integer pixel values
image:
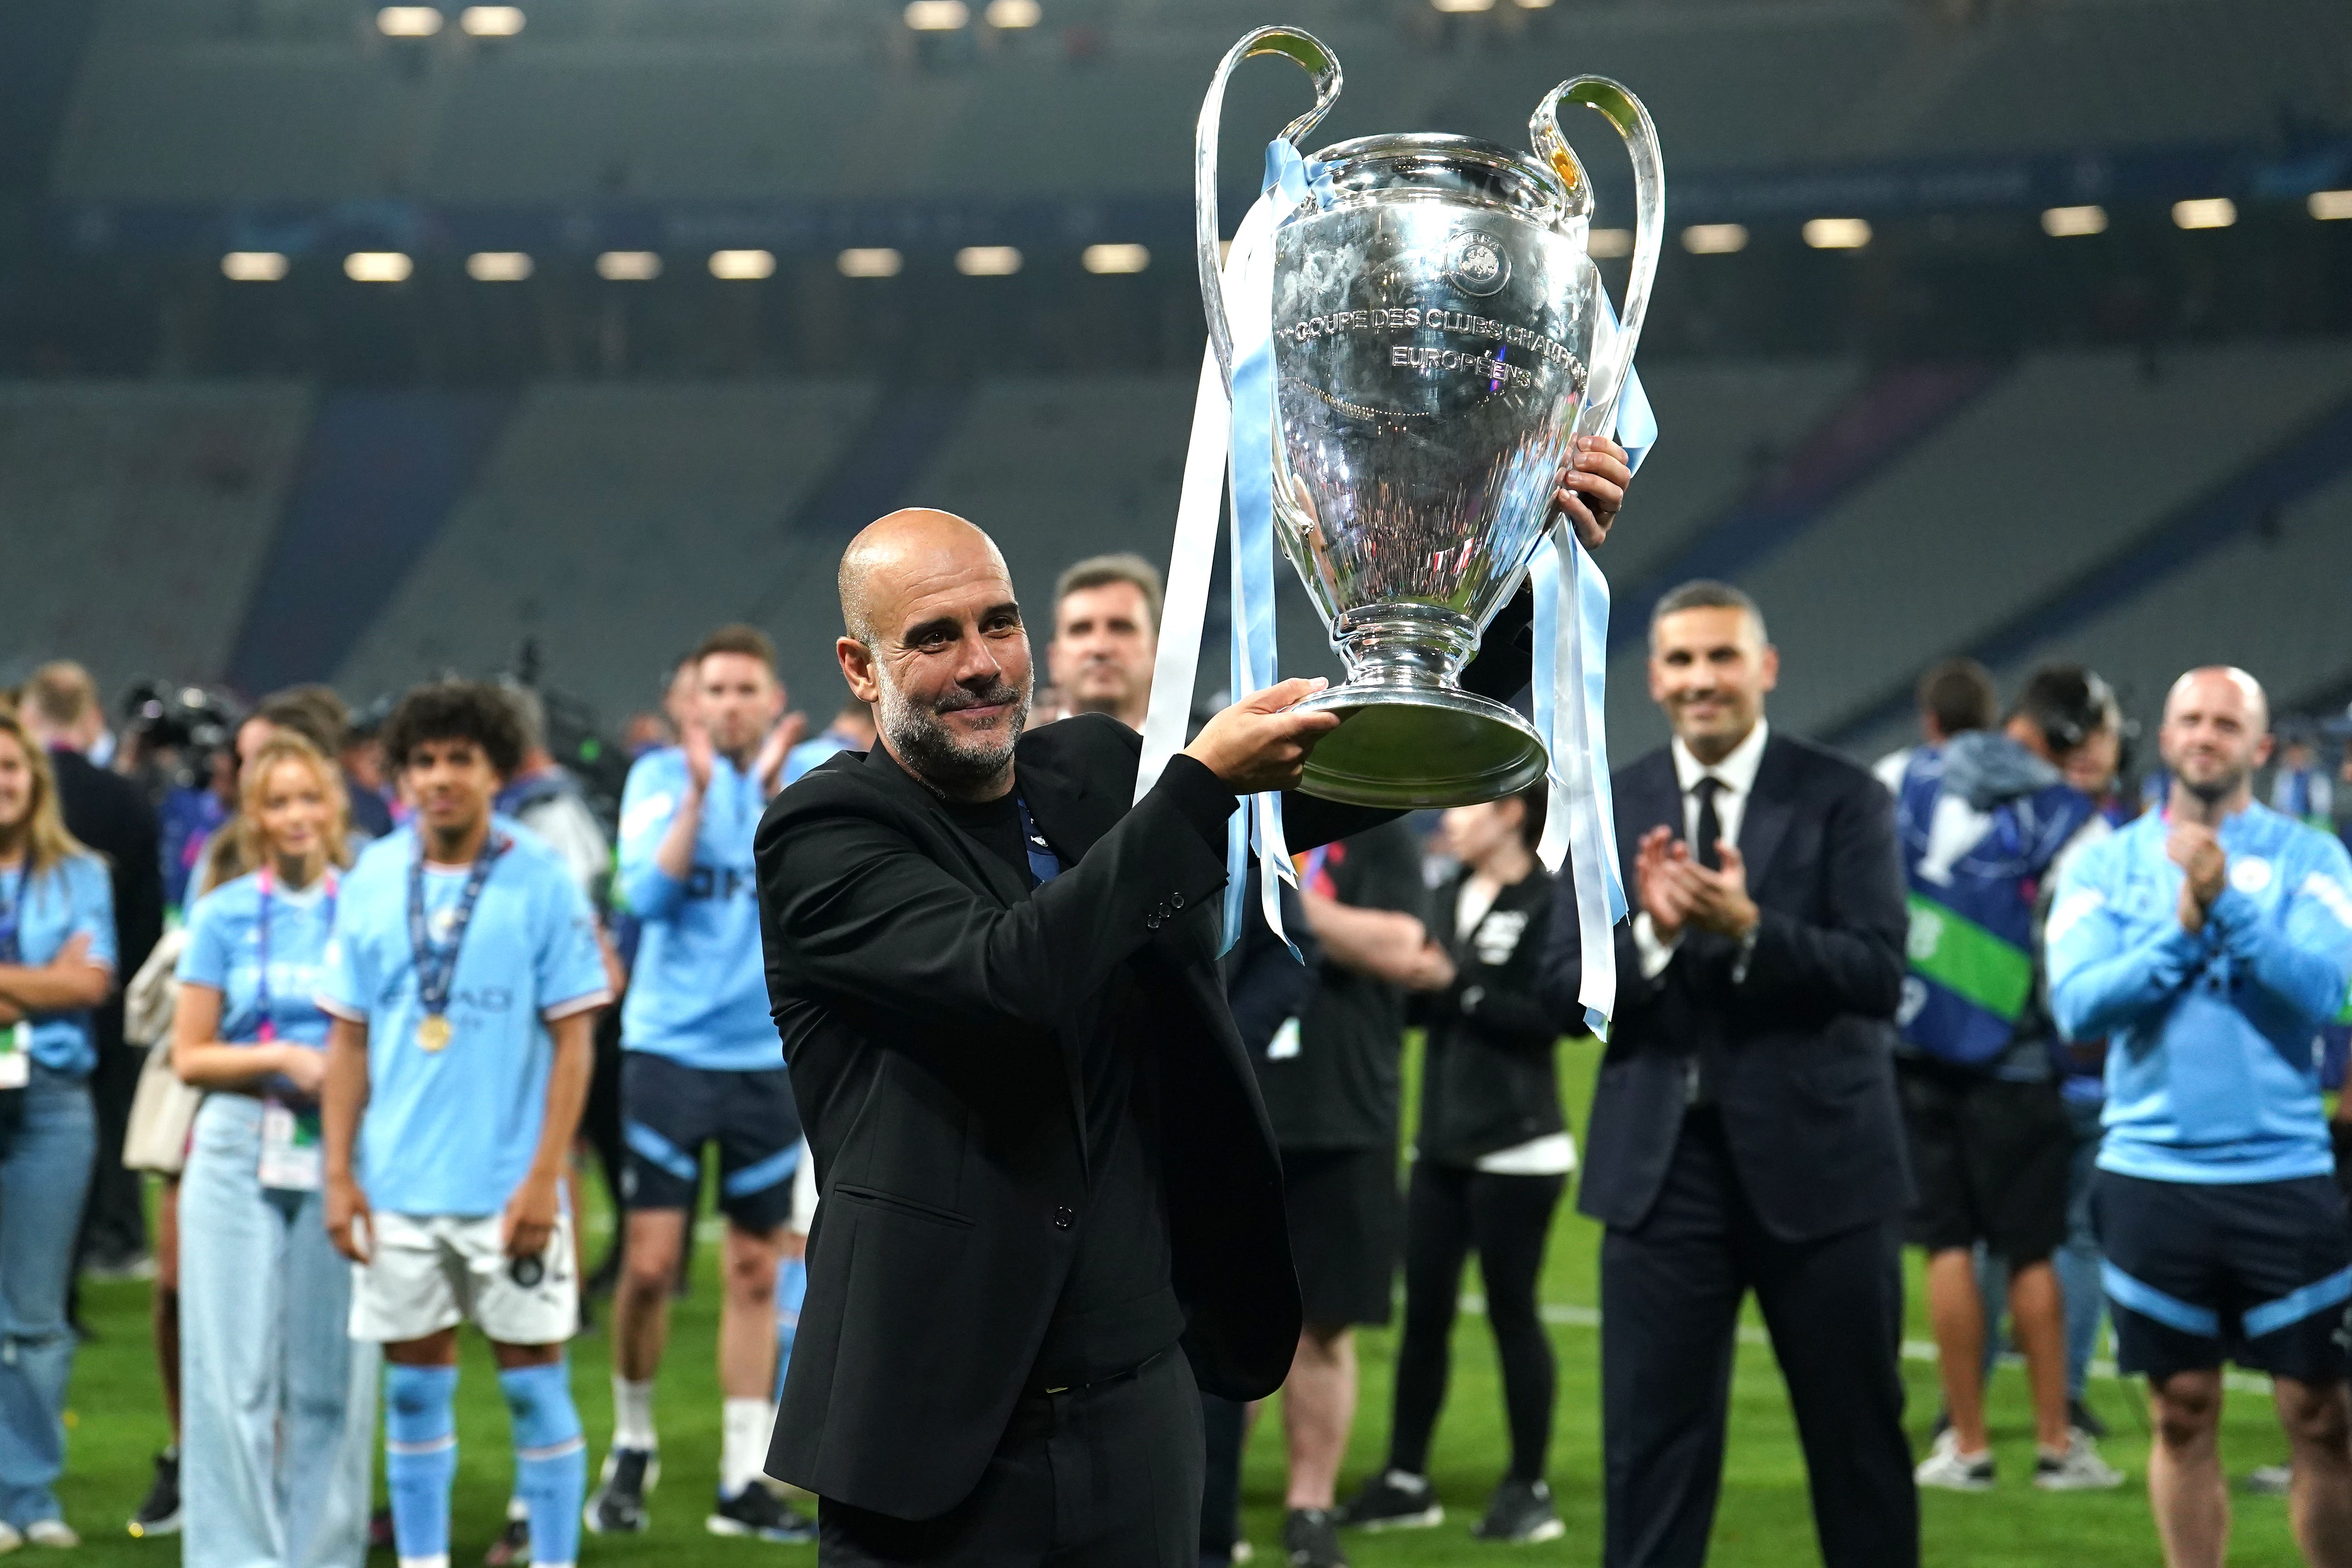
(1440, 337)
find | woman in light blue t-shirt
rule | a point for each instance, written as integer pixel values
(278, 1410)
(56, 963)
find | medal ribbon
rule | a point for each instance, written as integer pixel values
(1044, 863)
(437, 967)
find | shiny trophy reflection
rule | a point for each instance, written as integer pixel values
(1440, 337)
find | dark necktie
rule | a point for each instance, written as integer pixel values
(1710, 826)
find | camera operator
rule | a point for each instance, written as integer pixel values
(1986, 820)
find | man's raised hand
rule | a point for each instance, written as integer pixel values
(1592, 488)
(1261, 742)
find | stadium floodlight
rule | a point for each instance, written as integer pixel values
(1837, 233)
(2327, 205)
(937, 15)
(1011, 16)
(1462, 7)
(1607, 244)
(2066, 223)
(1108, 259)
(629, 266)
(1534, 4)
(2206, 212)
(408, 21)
(744, 266)
(498, 266)
(988, 261)
(253, 266)
(870, 261)
(378, 266)
(491, 21)
(1715, 238)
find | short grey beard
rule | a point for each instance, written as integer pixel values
(2217, 791)
(932, 753)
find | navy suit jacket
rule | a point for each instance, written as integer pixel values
(1798, 1047)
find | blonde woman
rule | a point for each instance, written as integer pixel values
(277, 1403)
(56, 963)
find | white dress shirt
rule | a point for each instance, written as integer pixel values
(1735, 777)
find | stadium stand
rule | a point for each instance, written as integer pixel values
(137, 517)
(2270, 600)
(726, 100)
(2061, 465)
(685, 490)
(1730, 428)
(1058, 469)
(2258, 584)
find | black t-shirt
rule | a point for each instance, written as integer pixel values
(1338, 1088)
(1118, 1306)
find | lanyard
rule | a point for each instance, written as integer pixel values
(1044, 863)
(267, 1030)
(12, 919)
(437, 967)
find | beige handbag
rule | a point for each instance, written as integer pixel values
(163, 1109)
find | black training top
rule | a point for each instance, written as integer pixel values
(1338, 1088)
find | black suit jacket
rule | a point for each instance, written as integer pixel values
(1797, 1049)
(933, 1013)
(110, 815)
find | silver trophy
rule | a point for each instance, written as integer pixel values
(1440, 338)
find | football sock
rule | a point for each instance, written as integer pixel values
(744, 1426)
(550, 1460)
(633, 1414)
(420, 1458)
(792, 1290)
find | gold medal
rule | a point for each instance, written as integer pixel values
(433, 1032)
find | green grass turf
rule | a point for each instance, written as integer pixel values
(1764, 1520)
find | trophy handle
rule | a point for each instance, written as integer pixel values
(1633, 124)
(1318, 62)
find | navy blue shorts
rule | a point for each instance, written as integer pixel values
(2259, 1273)
(669, 1111)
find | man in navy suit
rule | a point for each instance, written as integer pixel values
(1745, 1131)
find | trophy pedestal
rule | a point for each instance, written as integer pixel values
(1409, 747)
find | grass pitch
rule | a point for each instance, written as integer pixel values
(1764, 1521)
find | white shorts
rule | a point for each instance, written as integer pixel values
(429, 1272)
(803, 1213)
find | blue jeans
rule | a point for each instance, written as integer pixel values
(279, 1422)
(43, 1175)
(2076, 1261)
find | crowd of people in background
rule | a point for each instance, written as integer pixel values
(364, 996)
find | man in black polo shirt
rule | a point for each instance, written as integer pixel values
(1331, 1080)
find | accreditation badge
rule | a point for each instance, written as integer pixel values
(15, 1061)
(291, 1158)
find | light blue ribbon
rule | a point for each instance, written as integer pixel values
(1290, 181)
(1582, 817)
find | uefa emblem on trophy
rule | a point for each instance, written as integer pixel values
(1438, 336)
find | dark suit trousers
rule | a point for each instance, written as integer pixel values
(1104, 1477)
(1670, 1297)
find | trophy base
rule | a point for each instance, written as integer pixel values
(1408, 748)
